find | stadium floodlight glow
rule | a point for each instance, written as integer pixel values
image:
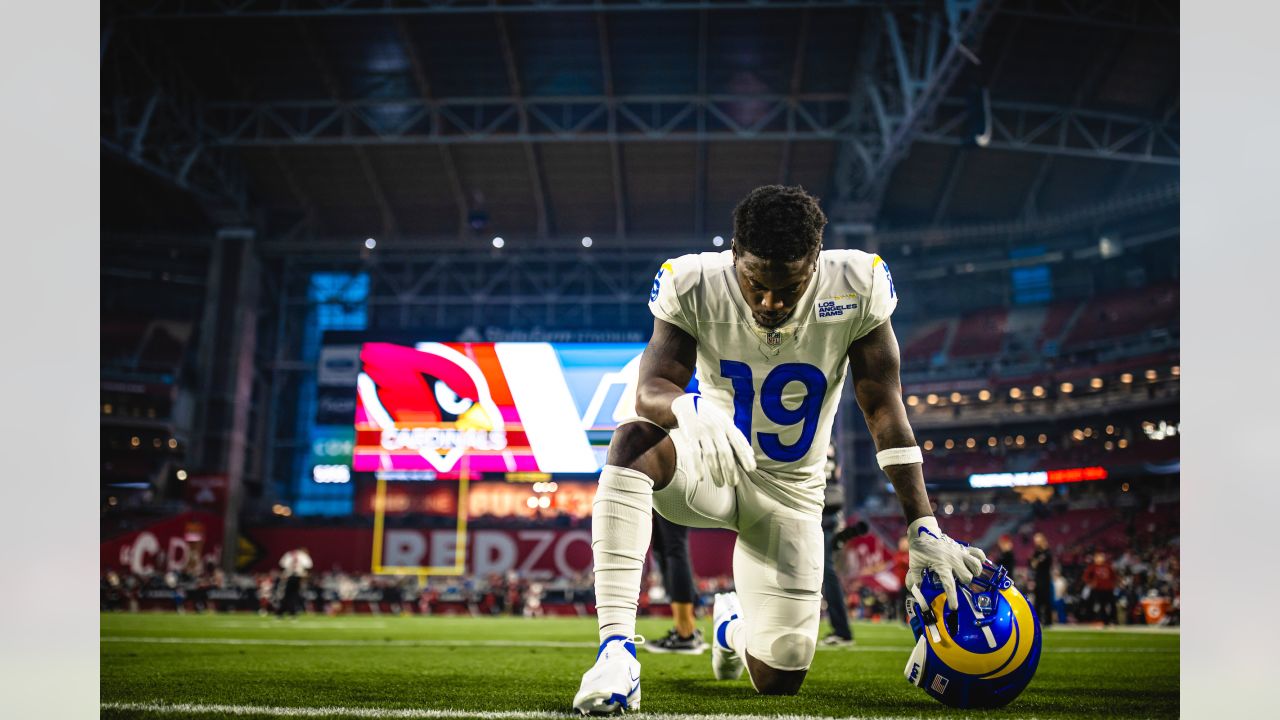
(956, 397)
(1095, 383)
(950, 443)
(717, 241)
(1015, 393)
(499, 242)
(370, 243)
(948, 509)
(928, 445)
(1151, 374)
(586, 242)
(181, 474)
(984, 395)
(1038, 391)
(1126, 378)
(932, 399)
(1175, 371)
(913, 400)
(1042, 439)
(1066, 388)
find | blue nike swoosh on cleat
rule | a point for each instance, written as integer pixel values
(925, 531)
(633, 679)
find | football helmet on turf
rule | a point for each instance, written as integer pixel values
(980, 656)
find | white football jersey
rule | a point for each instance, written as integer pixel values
(781, 387)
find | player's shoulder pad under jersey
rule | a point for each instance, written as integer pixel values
(858, 291)
(676, 293)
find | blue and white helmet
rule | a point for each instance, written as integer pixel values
(980, 656)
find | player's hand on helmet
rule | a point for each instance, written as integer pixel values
(722, 449)
(931, 549)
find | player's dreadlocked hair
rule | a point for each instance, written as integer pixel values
(776, 222)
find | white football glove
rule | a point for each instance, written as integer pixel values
(930, 549)
(722, 449)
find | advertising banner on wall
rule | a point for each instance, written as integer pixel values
(450, 409)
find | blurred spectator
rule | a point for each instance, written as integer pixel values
(1042, 576)
(1004, 554)
(1100, 579)
(294, 565)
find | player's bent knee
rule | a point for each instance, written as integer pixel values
(646, 448)
(792, 651)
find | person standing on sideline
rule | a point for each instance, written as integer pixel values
(671, 552)
(832, 590)
(1100, 578)
(1042, 572)
(294, 566)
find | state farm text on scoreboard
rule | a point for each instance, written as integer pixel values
(449, 410)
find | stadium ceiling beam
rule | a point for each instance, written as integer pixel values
(797, 78)
(267, 9)
(490, 120)
(615, 150)
(153, 118)
(447, 160)
(532, 156)
(917, 56)
(1029, 127)
(1150, 16)
(390, 227)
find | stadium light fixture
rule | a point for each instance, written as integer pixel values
(1038, 391)
(948, 509)
(1111, 429)
(1124, 487)
(949, 443)
(1042, 439)
(1176, 371)
(182, 475)
(1015, 393)
(1151, 375)
(971, 443)
(992, 441)
(1066, 388)
(1020, 440)
(586, 242)
(1095, 383)
(135, 441)
(107, 409)
(499, 242)
(931, 399)
(956, 397)
(1124, 443)
(112, 500)
(717, 241)
(913, 400)
(928, 445)
(1126, 378)
(173, 443)
(1109, 446)
(370, 243)
(984, 395)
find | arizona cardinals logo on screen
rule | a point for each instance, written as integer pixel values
(430, 398)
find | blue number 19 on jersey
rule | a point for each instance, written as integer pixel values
(807, 412)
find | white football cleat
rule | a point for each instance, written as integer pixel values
(725, 663)
(613, 683)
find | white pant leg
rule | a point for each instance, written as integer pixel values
(777, 569)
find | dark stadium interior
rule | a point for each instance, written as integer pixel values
(279, 173)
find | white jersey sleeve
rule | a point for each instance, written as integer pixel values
(869, 276)
(672, 298)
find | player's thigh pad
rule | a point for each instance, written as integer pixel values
(691, 500)
(777, 569)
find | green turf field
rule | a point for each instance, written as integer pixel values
(505, 668)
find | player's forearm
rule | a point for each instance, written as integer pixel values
(887, 420)
(653, 400)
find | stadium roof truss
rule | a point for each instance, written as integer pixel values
(909, 57)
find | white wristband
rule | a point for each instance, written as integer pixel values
(899, 456)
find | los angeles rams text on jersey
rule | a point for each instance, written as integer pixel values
(781, 385)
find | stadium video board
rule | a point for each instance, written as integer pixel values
(432, 410)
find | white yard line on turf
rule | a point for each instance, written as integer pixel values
(290, 642)
(188, 709)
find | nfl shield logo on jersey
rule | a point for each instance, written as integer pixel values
(773, 339)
